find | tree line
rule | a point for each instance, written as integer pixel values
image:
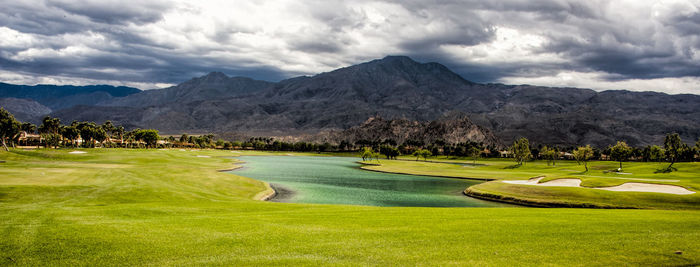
(54, 134)
(674, 150)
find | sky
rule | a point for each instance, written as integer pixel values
(634, 45)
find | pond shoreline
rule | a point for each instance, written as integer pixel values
(341, 180)
(533, 203)
(426, 175)
(266, 196)
(282, 194)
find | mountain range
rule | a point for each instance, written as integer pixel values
(395, 88)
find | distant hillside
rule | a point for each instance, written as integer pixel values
(215, 85)
(24, 109)
(397, 87)
(65, 96)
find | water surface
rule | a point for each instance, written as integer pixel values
(338, 180)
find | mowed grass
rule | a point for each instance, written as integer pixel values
(170, 207)
(599, 175)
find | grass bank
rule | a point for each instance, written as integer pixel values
(599, 175)
(170, 207)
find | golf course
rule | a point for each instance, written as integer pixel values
(115, 206)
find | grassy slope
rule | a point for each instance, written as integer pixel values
(122, 207)
(688, 176)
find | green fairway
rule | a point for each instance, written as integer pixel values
(171, 207)
(687, 176)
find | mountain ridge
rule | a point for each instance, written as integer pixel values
(399, 87)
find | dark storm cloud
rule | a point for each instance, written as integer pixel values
(589, 37)
(485, 41)
(133, 57)
(114, 12)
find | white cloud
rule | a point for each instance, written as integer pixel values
(30, 79)
(10, 38)
(599, 82)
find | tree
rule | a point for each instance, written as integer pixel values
(422, 153)
(376, 155)
(109, 128)
(550, 154)
(150, 137)
(653, 153)
(674, 148)
(366, 152)
(697, 147)
(475, 153)
(50, 125)
(237, 144)
(71, 133)
(583, 154)
(9, 127)
(88, 132)
(100, 135)
(521, 150)
(27, 127)
(120, 133)
(228, 145)
(389, 151)
(51, 139)
(220, 143)
(620, 152)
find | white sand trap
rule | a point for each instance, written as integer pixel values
(626, 187)
(531, 181)
(236, 152)
(562, 182)
(200, 156)
(182, 150)
(654, 188)
(77, 152)
(557, 182)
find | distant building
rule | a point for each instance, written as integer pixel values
(27, 139)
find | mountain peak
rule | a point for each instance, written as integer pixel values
(398, 58)
(216, 75)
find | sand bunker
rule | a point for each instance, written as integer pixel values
(557, 182)
(200, 156)
(77, 152)
(642, 187)
(627, 187)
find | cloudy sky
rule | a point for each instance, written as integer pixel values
(635, 45)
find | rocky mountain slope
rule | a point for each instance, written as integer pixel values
(452, 128)
(397, 87)
(215, 85)
(25, 110)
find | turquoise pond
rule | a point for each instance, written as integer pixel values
(339, 180)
